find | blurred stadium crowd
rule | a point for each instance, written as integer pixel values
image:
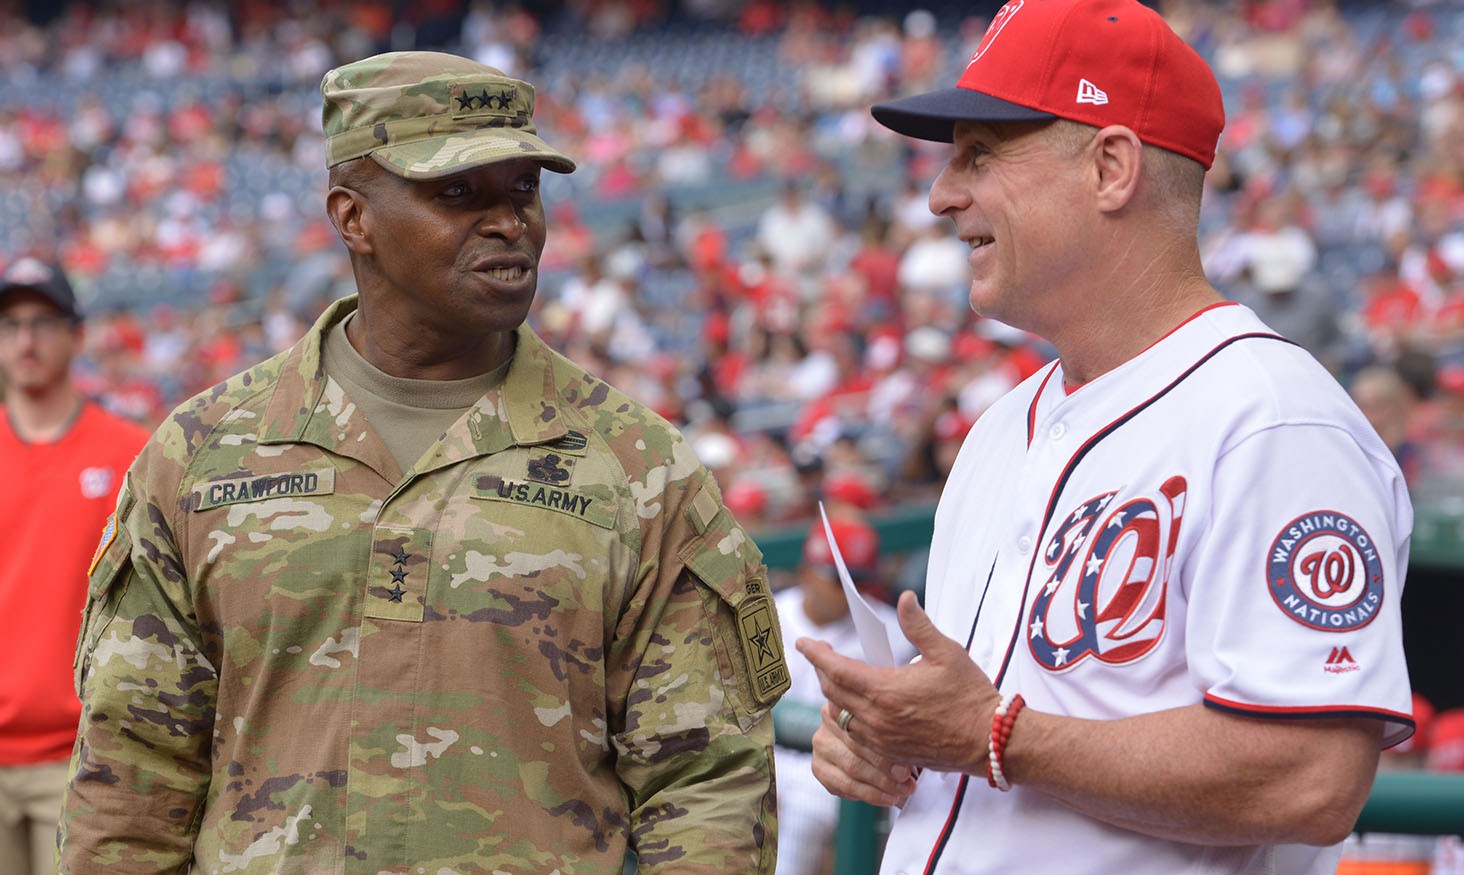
(742, 247)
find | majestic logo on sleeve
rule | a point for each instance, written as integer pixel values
(1105, 598)
(1325, 572)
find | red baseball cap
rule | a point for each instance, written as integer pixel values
(1451, 379)
(951, 426)
(1445, 751)
(1099, 62)
(858, 544)
(852, 489)
(745, 499)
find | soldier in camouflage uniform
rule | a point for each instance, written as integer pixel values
(420, 594)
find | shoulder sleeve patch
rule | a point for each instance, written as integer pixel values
(111, 563)
(112, 527)
(109, 534)
(762, 648)
(1324, 571)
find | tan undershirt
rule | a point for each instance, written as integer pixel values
(409, 415)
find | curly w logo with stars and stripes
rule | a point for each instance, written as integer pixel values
(1110, 568)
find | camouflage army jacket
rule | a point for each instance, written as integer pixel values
(547, 644)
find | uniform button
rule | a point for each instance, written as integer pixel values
(1057, 431)
(1024, 545)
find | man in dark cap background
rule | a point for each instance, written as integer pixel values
(1163, 630)
(420, 594)
(62, 459)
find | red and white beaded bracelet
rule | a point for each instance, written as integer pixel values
(1001, 733)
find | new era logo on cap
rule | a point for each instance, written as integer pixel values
(1090, 93)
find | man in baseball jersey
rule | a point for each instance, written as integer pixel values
(419, 594)
(62, 458)
(1163, 631)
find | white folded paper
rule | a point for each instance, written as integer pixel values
(873, 637)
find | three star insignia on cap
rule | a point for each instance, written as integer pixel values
(484, 100)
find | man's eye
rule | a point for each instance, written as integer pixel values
(973, 155)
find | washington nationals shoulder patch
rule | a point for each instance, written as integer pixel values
(1324, 572)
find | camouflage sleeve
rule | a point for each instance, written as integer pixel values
(140, 767)
(700, 669)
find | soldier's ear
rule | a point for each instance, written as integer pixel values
(347, 210)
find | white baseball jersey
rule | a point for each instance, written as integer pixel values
(1212, 521)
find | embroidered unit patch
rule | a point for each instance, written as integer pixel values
(1324, 572)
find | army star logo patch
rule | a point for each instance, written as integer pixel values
(762, 647)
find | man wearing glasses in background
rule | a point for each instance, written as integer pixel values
(62, 458)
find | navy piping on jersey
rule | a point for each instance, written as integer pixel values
(1032, 409)
(1310, 713)
(950, 825)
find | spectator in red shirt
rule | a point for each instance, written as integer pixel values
(62, 459)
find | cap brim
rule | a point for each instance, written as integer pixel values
(435, 157)
(933, 115)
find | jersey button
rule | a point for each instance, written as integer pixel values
(1057, 431)
(1024, 545)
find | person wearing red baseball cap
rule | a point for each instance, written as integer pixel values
(1163, 629)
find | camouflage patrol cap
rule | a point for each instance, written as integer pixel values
(422, 115)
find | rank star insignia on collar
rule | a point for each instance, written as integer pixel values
(396, 592)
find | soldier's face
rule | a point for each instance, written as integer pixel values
(460, 253)
(37, 343)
